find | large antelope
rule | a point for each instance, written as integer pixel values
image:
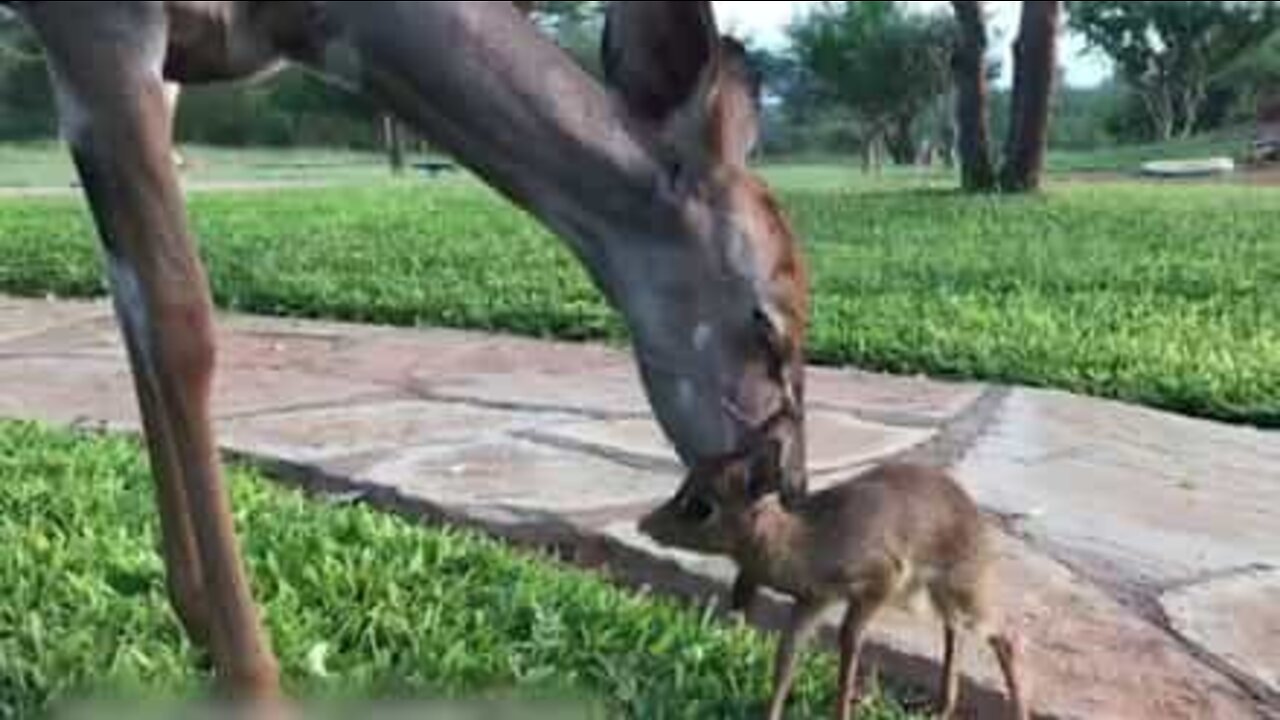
(647, 182)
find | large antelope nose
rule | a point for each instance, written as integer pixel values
(657, 523)
(648, 524)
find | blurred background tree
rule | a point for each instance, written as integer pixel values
(869, 79)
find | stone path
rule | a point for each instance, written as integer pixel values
(1140, 550)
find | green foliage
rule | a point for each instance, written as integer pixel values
(883, 62)
(1156, 294)
(1170, 52)
(1255, 75)
(291, 109)
(26, 101)
(1093, 118)
(1260, 65)
(358, 604)
(576, 26)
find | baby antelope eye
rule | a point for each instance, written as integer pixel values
(697, 509)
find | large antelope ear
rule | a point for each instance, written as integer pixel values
(659, 55)
(671, 68)
(734, 125)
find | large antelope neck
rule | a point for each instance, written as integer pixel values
(644, 196)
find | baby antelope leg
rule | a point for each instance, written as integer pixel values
(804, 617)
(1005, 647)
(950, 687)
(743, 595)
(852, 632)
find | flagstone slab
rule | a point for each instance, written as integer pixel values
(248, 391)
(344, 430)
(836, 442)
(273, 349)
(101, 390)
(68, 391)
(890, 398)
(1151, 495)
(424, 357)
(518, 475)
(608, 391)
(21, 318)
(1236, 619)
(95, 336)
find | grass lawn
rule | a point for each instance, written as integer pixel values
(360, 604)
(1167, 295)
(47, 164)
(1232, 143)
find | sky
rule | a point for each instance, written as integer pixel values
(766, 20)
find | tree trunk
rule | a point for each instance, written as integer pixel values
(1159, 111)
(969, 65)
(1192, 99)
(872, 158)
(1036, 57)
(394, 142)
(902, 142)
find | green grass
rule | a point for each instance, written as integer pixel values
(1232, 143)
(360, 604)
(1164, 295)
(47, 164)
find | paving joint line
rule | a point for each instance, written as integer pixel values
(546, 408)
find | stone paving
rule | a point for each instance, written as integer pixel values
(1139, 551)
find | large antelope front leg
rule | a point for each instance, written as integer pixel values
(116, 119)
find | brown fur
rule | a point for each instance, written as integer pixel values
(890, 536)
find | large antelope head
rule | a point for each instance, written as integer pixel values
(647, 180)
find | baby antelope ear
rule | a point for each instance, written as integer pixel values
(765, 474)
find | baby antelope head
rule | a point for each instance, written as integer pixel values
(712, 511)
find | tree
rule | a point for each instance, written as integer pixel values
(575, 25)
(26, 100)
(974, 138)
(1255, 75)
(1170, 52)
(393, 141)
(882, 62)
(1259, 66)
(1036, 75)
(1035, 68)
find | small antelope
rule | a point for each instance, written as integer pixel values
(893, 535)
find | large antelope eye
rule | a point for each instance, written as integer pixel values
(697, 509)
